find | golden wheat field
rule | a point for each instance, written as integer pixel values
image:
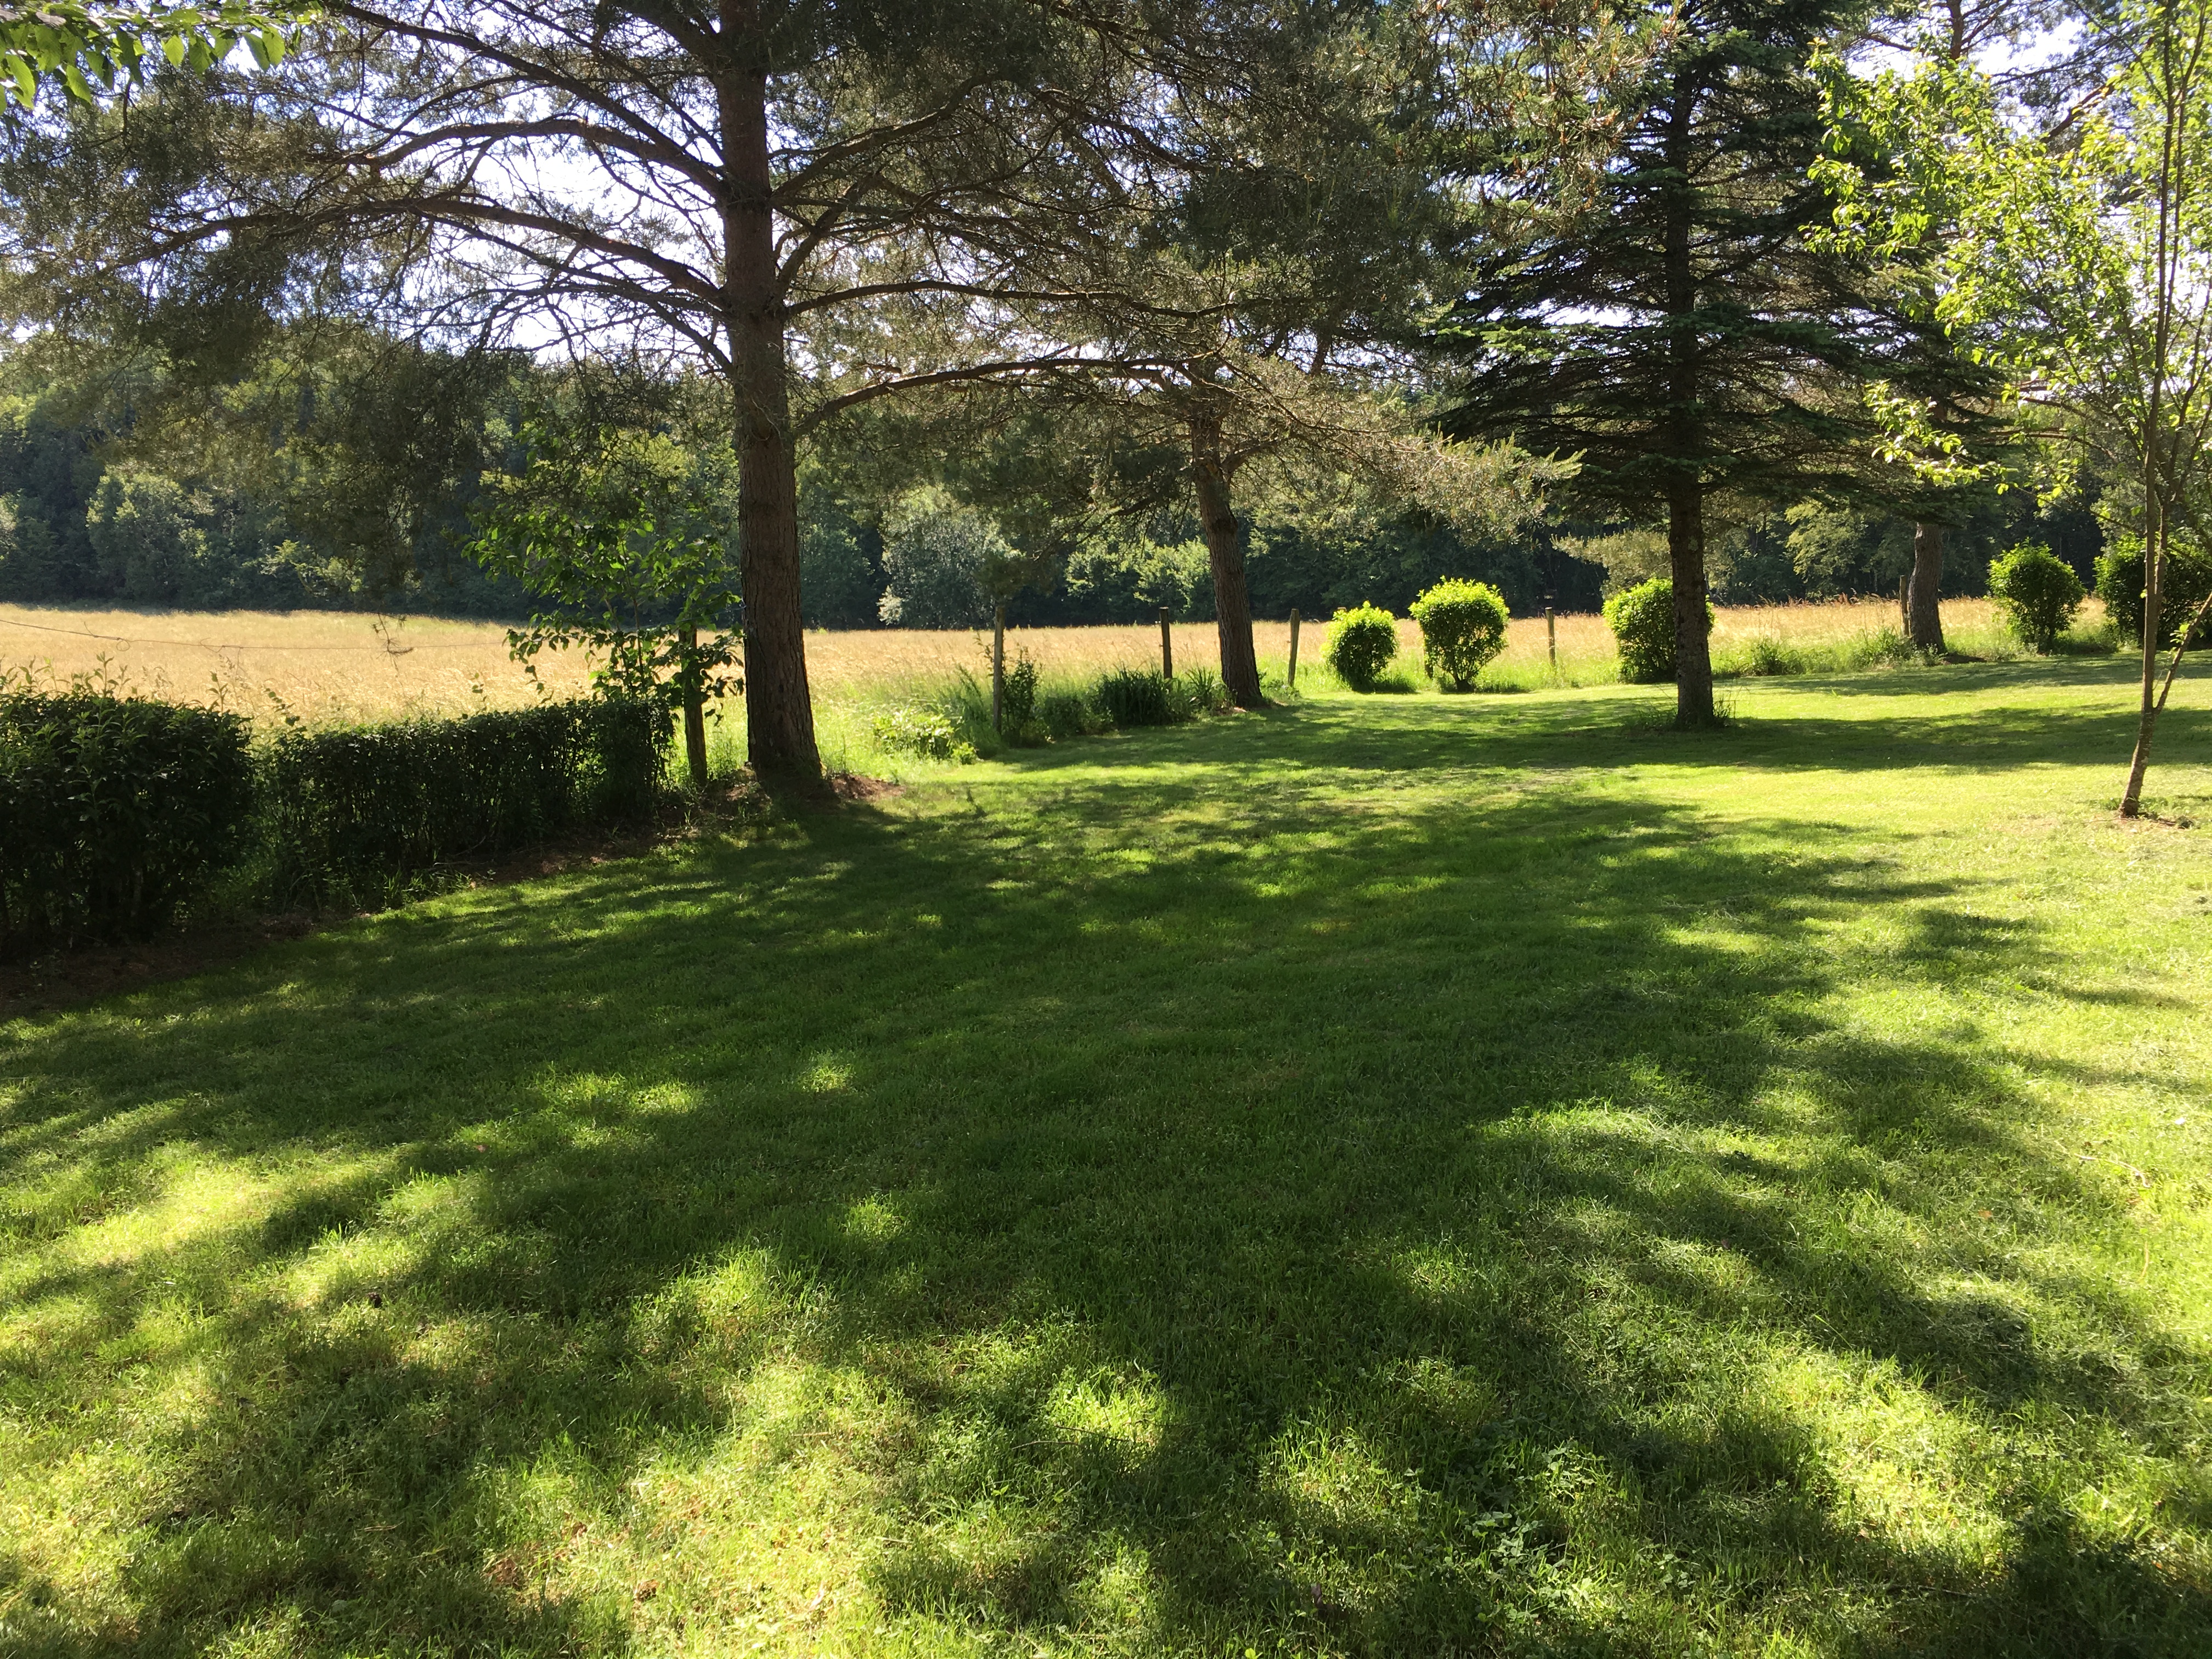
(334, 667)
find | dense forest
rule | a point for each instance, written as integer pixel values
(104, 500)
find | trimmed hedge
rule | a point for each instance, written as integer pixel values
(360, 812)
(111, 810)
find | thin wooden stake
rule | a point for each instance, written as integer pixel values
(1294, 651)
(998, 667)
(1167, 646)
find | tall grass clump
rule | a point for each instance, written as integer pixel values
(1133, 698)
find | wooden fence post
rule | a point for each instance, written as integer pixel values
(998, 667)
(1167, 646)
(1552, 633)
(1293, 680)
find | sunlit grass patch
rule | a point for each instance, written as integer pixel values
(1380, 1176)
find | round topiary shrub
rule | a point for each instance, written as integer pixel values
(1462, 628)
(1642, 622)
(2120, 585)
(1362, 640)
(2038, 592)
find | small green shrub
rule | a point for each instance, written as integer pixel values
(113, 811)
(1200, 691)
(2038, 592)
(1642, 622)
(1362, 640)
(924, 732)
(1462, 629)
(2120, 585)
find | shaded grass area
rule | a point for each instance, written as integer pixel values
(1392, 1175)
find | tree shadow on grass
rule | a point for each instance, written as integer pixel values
(1197, 1210)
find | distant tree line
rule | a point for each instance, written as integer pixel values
(108, 496)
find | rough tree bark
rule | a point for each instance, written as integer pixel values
(1686, 494)
(779, 707)
(1923, 615)
(1232, 602)
(1685, 559)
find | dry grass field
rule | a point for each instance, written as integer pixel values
(335, 668)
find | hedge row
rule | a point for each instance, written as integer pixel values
(110, 811)
(113, 810)
(358, 813)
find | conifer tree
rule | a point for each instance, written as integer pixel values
(1668, 318)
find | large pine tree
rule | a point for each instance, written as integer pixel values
(1668, 317)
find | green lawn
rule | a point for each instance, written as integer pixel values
(1388, 1177)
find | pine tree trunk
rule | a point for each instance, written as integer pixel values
(1686, 558)
(1685, 490)
(1232, 603)
(779, 707)
(1923, 613)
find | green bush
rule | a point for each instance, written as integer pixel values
(358, 813)
(2120, 585)
(2038, 592)
(924, 732)
(1362, 640)
(1642, 622)
(1462, 629)
(112, 811)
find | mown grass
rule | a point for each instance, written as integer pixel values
(1391, 1175)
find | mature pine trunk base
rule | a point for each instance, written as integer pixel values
(779, 707)
(1232, 602)
(1694, 656)
(1923, 615)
